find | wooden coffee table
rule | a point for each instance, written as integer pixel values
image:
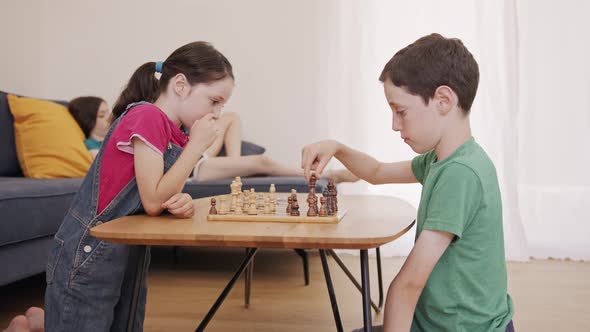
(370, 222)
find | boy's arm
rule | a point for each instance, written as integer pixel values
(407, 286)
(372, 170)
(316, 156)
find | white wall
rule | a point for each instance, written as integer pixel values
(66, 48)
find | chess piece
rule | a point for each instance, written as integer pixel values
(294, 207)
(213, 210)
(273, 204)
(222, 206)
(272, 190)
(252, 210)
(267, 205)
(289, 206)
(261, 200)
(234, 190)
(239, 182)
(239, 207)
(312, 202)
(323, 212)
(333, 205)
(326, 194)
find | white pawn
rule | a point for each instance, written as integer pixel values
(252, 210)
(260, 201)
(239, 207)
(222, 207)
(267, 206)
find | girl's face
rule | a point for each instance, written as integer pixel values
(103, 117)
(205, 98)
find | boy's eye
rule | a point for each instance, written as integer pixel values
(214, 102)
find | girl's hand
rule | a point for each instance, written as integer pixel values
(204, 131)
(180, 205)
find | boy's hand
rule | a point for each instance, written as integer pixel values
(315, 157)
(205, 131)
(180, 205)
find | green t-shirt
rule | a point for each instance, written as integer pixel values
(467, 289)
(92, 144)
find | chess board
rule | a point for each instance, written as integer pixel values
(280, 214)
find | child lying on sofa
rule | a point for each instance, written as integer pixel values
(94, 117)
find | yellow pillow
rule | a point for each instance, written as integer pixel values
(49, 142)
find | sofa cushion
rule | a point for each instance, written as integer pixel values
(33, 208)
(8, 160)
(49, 142)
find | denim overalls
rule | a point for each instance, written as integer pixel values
(88, 285)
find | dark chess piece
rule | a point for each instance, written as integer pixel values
(294, 206)
(312, 202)
(326, 194)
(213, 210)
(323, 212)
(289, 206)
(312, 180)
(333, 196)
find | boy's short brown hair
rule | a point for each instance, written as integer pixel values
(430, 62)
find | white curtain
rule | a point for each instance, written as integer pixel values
(531, 113)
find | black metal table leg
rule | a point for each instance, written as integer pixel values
(227, 289)
(337, 319)
(367, 319)
(351, 277)
(248, 281)
(380, 276)
(138, 281)
(303, 254)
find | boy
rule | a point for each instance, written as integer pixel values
(455, 276)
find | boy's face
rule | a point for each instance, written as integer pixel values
(419, 124)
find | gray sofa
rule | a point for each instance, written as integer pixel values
(31, 210)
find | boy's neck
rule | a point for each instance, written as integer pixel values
(453, 139)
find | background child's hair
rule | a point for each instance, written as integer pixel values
(430, 62)
(84, 110)
(199, 61)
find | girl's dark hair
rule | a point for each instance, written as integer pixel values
(199, 61)
(84, 110)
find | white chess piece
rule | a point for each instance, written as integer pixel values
(222, 206)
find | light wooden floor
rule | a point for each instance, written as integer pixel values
(548, 295)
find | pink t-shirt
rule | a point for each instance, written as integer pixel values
(146, 122)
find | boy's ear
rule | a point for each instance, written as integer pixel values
(445, 98)
(180, 85)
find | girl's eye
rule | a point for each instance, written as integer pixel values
(214, 102)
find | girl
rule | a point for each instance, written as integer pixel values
(142, 166)
(93, 116)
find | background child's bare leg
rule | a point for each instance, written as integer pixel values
(230, 136)
(228, 167)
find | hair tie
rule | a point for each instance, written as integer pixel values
(159, 65)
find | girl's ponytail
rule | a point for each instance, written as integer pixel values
(143, 85)
(199, 61)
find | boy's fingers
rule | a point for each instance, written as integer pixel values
(321, 164)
